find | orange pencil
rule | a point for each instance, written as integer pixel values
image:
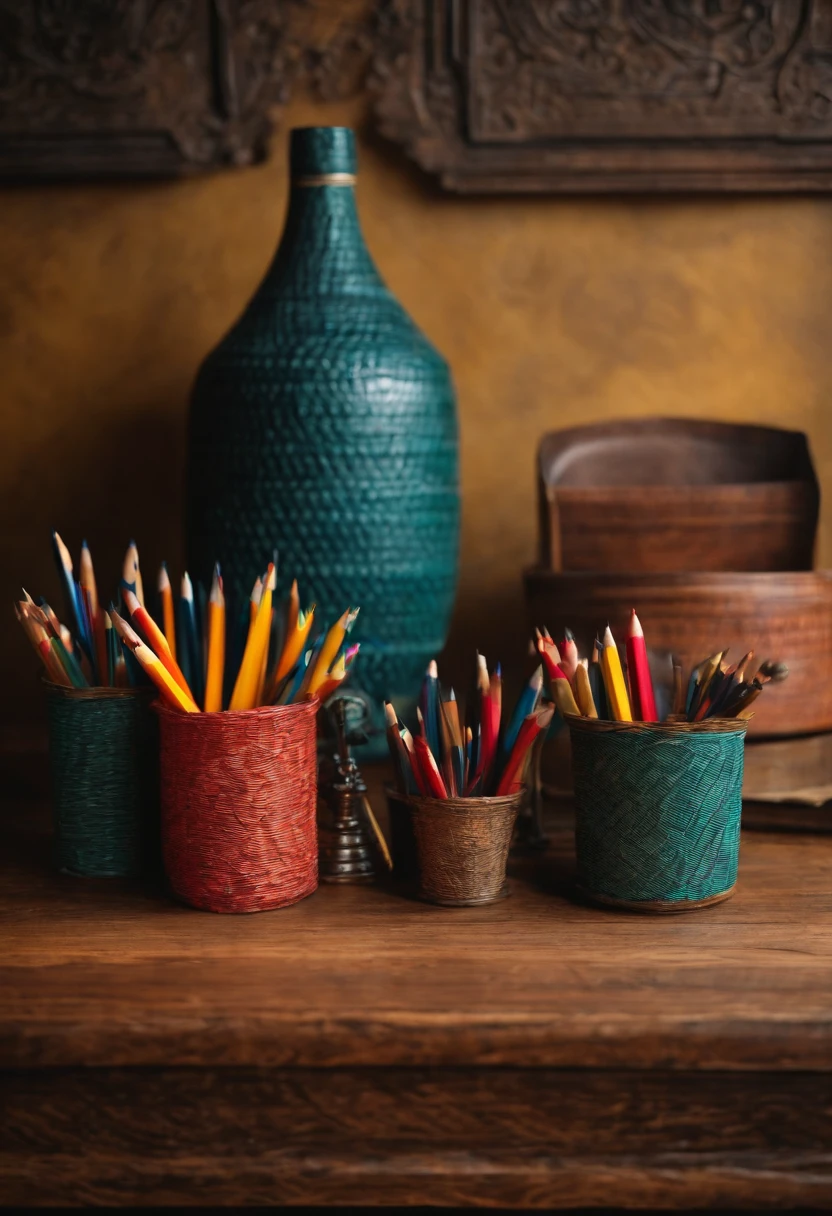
(168, 613)
(293, 648)
(155, 638)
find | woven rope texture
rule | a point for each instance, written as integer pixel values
(657, 813)
(103, 759)
(239, 802)
(463, 847)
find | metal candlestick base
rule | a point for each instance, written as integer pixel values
(345, 855)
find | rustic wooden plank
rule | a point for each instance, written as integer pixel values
(537, 1138)
(107, 973)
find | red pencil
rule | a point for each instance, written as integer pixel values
(428, 768)
(641, 683)
(569, 656)
(512, 778)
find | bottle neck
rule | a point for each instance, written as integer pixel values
(322, 249)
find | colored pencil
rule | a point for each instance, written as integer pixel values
(428, 768)
(72, 601)
(614, 683)
(332, 643)
(398, 752)
(110, 638)
(216, 645)
(155, 639)
(569, 656)
(526, 704)
(293, 647)
(189, 644)
(69, 663)
(40, 640)
(562, 691)
(164, 681)
(167, 607)
(583, 691)
(429, 705)
(245, 691)
(641, 681)
(533, 725)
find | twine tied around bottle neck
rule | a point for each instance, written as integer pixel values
(325, 179)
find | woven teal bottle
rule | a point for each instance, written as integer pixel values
(324, 424)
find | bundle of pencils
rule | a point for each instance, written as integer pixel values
(487, 756)
(605, 687)
(282, 659)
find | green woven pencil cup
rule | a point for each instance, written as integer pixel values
(657, 811)
(104, 759)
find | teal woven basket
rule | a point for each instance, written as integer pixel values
(657, 811)
(104, 759)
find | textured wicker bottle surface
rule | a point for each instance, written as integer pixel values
(239, 800)
(324, 423)
(657, 812)
(462, 846)
(102, 749)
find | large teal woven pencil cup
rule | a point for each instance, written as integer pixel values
(657, 811)
(104, 759)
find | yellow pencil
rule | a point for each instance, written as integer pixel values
(244, 695)
(164, 681)
(293, 648)
(583, 691)
(168, 614)
(614, 680)
(216, 645)
(332, 644)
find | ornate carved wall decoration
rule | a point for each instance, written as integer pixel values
(603, 95)
(160, 87)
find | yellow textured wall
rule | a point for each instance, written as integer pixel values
(550, 312)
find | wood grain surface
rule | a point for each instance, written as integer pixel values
(361, 1047)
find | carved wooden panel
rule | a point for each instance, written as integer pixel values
(121, 87)
(589, 95)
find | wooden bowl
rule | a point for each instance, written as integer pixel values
(676, 494)
(783, 616)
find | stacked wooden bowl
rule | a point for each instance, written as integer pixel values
(708, 531)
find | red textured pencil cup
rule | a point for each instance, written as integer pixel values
(239, 803)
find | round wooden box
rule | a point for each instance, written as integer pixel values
(784, 616)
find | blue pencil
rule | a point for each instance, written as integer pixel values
(526, 704)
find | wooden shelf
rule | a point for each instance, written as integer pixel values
(364, 1048)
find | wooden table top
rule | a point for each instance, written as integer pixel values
(107, 973)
